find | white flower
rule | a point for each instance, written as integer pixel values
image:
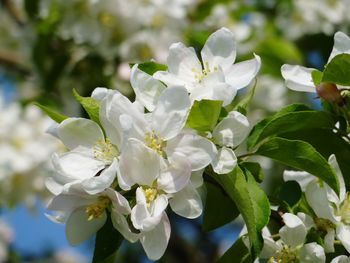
(218, 78)
(159, 137)
(291, 246)
(85, 214)
(332, 210)
(228, 134)
(299, 78)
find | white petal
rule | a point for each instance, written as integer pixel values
(341, 45)
(177, 175)
(99, 183)
(120, 203)
(225, 161)
(79, 228)
(312, 253)
(197, 178)
(182, 61)
(316, 196)
(214, 88)
(187, 202)
(241, 74)
(156, 241)
(333, 162)
(171, 79)
(232, 130)
(142, 219)
(341, 259)
(294, 232)
(219, 49)
(68, 202)
(329, 241)
(76, 132)
(198, 150)
(100, 93)
(298, 78)
(120, 223)
(170, 114)
(301, 177)
(146, 88)
(343, 234)
(77, 165)
(307, 220)
(138, 164)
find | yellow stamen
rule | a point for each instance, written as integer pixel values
(105, 151)
(155, 142)
(96, 210)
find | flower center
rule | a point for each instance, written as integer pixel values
(105, 151)
(286, 254)
(344, 210)
(156, 143)
(324, 224)
(96, 210)
(199, 75)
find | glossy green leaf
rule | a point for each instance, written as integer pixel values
(219, 208)
(255, 133)
(57, 117)
(251, 201)
(108, 241)
(300, 155)
(317, 77)
(204, 115)
(90, 105)
(152, 67)
(337, 71)
(255, 169)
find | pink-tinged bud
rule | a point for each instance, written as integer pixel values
(329, 92)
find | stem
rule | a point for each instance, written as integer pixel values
(246, 155)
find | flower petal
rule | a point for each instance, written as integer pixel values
(119, 202)
(329, 241)
(241, 74)
(343, 234)
(99, 183)
(312, 253)
(187, 202)
(341, 259)
(294, 232)
(198, 150)
(341, 45)
(219, 50)
(75, 132)
(316, 196)
(298, 78)
(138, 164)
(120, 223)
(155, 242)
(332, 196)
(301, 177)
(146, 88)
(68, 202)
(225, 161)
(177, 175)
(170, 114)
(79, 228)
(232, 130)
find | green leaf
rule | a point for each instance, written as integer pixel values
(255, 169)
(238, 253)
(204, 115)
(152, 67)
(326, 142)
(317, 77)
(290, 192)
(300, 155)
(251, 201)
(219, 208)
(57, 117)
(254, 135)
(337, 71)
(108, 240)
(91, 106)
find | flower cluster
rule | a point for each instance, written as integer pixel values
(142, 156)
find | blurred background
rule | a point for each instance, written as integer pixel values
(49, 47)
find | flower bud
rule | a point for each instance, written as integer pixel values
(329, 92)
